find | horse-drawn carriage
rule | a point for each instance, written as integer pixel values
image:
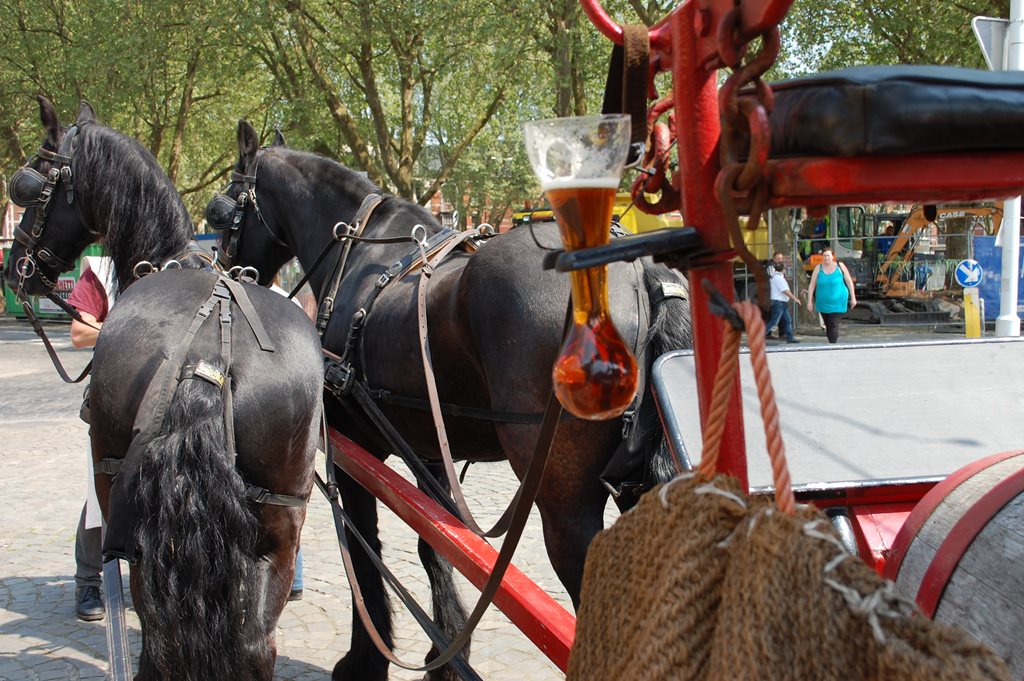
(393, 285)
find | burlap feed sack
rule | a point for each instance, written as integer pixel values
(796, 605)
(700, 581)
(651, 586)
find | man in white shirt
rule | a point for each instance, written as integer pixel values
(780, 296)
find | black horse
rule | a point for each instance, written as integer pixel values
(212, 567)
(495, 324)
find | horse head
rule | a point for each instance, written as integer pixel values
(236, 211)
(52, 232)
(75, 195)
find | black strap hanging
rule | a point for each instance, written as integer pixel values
(626, 87)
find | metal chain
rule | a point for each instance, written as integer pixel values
(653, 175)
(746, 137)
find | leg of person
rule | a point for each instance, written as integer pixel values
(786, 325)
(296, 593)
(88, 564)
(775, 314)
(832, 325)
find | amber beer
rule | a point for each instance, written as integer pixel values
(595, 375)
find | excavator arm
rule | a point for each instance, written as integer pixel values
(901, 253)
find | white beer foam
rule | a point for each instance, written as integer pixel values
(576, 183)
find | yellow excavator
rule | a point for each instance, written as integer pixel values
(919, 233)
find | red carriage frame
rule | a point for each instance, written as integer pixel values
(690, 43)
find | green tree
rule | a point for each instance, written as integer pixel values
(381, 76)
(421, 94)
(150, 69)
(819, 35)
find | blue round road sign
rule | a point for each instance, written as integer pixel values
(968, 273)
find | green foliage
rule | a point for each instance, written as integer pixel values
(421, 94)
(821, 35)
(424, 95)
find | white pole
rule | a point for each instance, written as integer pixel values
(1008, 323)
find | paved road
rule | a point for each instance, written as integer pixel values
(42, 486)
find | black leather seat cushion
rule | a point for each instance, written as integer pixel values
(898, 110)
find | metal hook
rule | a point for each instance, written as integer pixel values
(248, 273)
(171, 264)
(422, 244)
(423, 230)
(26, 266)
(348, 231)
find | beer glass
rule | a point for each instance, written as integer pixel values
(579, 162)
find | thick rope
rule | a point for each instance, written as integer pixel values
(719, 405)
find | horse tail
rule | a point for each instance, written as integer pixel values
(670, 329)
(197, 539)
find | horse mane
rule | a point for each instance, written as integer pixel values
(127, 197)
(313, 164)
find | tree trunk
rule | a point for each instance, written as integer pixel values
(957, 238)
(184, 107)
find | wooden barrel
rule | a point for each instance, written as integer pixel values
(960, 554)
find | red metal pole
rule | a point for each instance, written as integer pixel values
(529, 608)
(698, 131)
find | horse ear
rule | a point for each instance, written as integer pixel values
(278, 139)
(48, 117)
(248, 143)
(86, 113)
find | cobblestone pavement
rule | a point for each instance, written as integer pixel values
(42, 488)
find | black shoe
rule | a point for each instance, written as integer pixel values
(792, 340)
(295, 595)
(89, 604)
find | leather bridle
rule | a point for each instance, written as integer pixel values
(226, 213)
(43, 201)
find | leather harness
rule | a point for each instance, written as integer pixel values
(152, 410)
(341, 381)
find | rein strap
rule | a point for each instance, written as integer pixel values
(518, 512)
(26, 305)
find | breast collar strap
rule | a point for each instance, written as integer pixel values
(329, 291)
(396, 271)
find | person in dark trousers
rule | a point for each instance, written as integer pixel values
(781, 295)
(92, 298)
(831, 291)
(777, 257)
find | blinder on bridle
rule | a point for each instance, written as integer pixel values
(226, 213)
(29, 188)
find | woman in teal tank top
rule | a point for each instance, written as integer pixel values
(831, 291)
